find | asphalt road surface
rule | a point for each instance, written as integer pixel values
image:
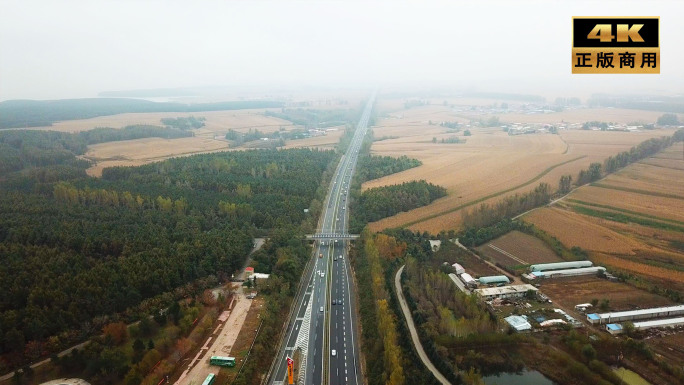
(329, 290)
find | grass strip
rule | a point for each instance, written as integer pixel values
(637, 191)
(622, 218)
(625, 211)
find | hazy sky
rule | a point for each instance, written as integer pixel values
(61, 49)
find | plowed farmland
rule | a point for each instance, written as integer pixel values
(571, 291)
(516, 248)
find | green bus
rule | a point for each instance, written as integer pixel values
(222, 361)
(210, 379)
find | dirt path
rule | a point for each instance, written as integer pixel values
(216, 345)
(412, 329)
(45, 361)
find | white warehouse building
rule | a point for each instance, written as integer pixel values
(459, 269)
(560, 265)
(567, 272)
(641, 314)
(513, 291)
(468, 279)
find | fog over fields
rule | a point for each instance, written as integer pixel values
(67, 49)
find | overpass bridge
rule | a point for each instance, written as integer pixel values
(330, 236)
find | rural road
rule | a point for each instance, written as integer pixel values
(412, 329)
(199, 368)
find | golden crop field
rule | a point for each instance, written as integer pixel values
(210, 138)
(217, 122)
(615, 115)
(488, 166)
(141, 151)
(574, 229)
(634, 223)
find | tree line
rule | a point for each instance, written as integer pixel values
(254, 134)
(20, 149)
(312, 118)
(183, 123)
(373, 167)
(35, 113)
(384, 338)
(381, 202)
(487, 214)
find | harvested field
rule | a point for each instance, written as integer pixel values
(649, 180)
(210, 138)
(661, 207)
(217, 122)
(638, 268)
(581, 115)
(573, 229)
(525, 248)
(634, 223)
(571, 291)
(490, 165)
(140, 151)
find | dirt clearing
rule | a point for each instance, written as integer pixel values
(516, 248)
(571, 291)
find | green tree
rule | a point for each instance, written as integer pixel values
(668, 120)
(588, 352)
(565, 184)
(466, 133)
(138, 350)
(594, 171)
(628, 328)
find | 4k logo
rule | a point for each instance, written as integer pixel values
(625, 33)
(616, 45)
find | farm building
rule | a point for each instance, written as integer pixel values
(657, 312)
(659, 323)
(552, 322)
(583, 307)
(614, 329)
(494, 279)
(568, 272)
(468, 279)
(560, 265)
(435, 245)
(518, 323)
(458, 283)
(459, 269)
(513, 291)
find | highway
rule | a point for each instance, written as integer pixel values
(324, 319)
